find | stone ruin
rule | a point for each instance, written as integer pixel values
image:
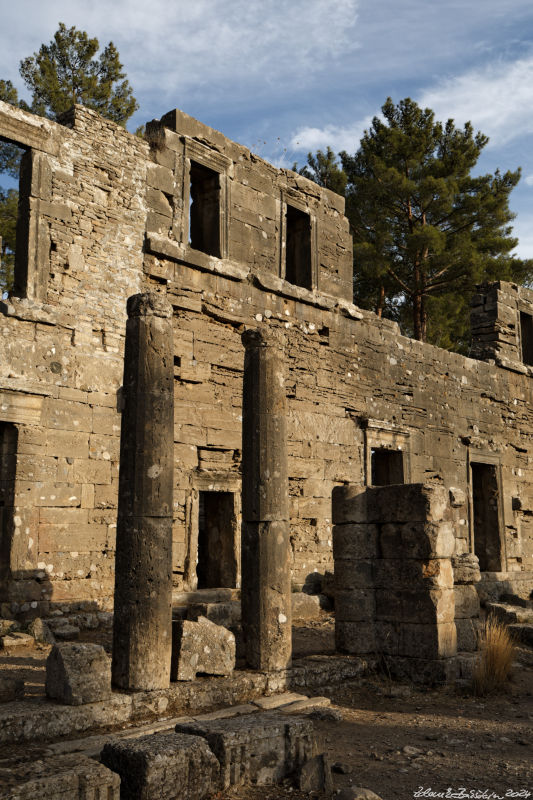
(183, 310)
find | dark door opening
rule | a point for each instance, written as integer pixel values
(217, 557)
(8, 460)
(485, 497)
(386, 466)
(298, 248)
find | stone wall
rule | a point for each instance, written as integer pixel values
(107, 215)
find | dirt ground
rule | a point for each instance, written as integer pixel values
(400, 741)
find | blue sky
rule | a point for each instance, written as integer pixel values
(287, 76)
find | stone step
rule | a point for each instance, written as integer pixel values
(522, 632)
(510, 614)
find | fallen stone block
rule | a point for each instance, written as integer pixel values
(356, 793)
(11, 689)
(78, 673)
(40, 631)
(201, 646)
(67, 632)
(261, 749)
(75, 777)
(304, 706)
(16, 641)
(305, 606)
(277, 700)
(166, 766)
(315, 776)
(226, 614)
(8, 625)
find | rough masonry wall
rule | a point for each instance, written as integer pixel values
(61, 356)
(109, 216)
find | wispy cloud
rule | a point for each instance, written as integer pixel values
(208, 45)
(338, 138)
(497, 98)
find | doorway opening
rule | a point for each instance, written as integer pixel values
(217, 565)
(486, 516)
(386, 466)
(298, 269)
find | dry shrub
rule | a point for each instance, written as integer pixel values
(498, 650)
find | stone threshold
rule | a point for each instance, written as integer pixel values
(42, 720)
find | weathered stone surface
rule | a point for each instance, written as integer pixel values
(467, 639)
(466, 601)
(16, 641)
(315, 775)
(75, 777)
(354, 384)
(142, 634)
(201, 646)
(262, 749)
(78, 673)
(356, 793)
(305, 606)
(466, 569)
(8, 625)
(169, 766)
(40, 631)
(11, 689)
(266, 583)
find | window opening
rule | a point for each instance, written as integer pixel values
(386, 466)
(11, 199)
(298, 269)
(204, 210)
(217, 558)
(485, 499)
(526, 334)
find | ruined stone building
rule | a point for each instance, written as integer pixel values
(233, 243)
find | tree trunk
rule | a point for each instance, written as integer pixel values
(380, 301)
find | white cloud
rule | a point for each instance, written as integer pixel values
(174, 47)
(523, 230)
(337, 137)
(497, 98)
(529, 180)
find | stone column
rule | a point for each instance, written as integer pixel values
(143, 568)
(266, 583)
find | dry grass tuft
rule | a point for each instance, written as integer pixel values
(498, 651)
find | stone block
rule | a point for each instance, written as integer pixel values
(466, 568)
(305, 606)
(11, 689)
(201, 646)
(15, 642)
(358, 638)
(431, 642)
(355, 605)
(315, 776)
(349, 504)
(467, 640)
(412, 503)
(420, 606)
(355, 541)
(167, 766)
(225, 613)
(73, 776)
(262, 749)
(417, 540)
(466, 602)
(394, 573)
(425, 671)
(353, 574)
(78, 673)
(40, 631)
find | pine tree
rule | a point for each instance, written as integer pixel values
(8, 226)
(65, 72)
(425, 230)
(323, 168)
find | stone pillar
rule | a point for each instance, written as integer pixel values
(142, 637)
(266, 583)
